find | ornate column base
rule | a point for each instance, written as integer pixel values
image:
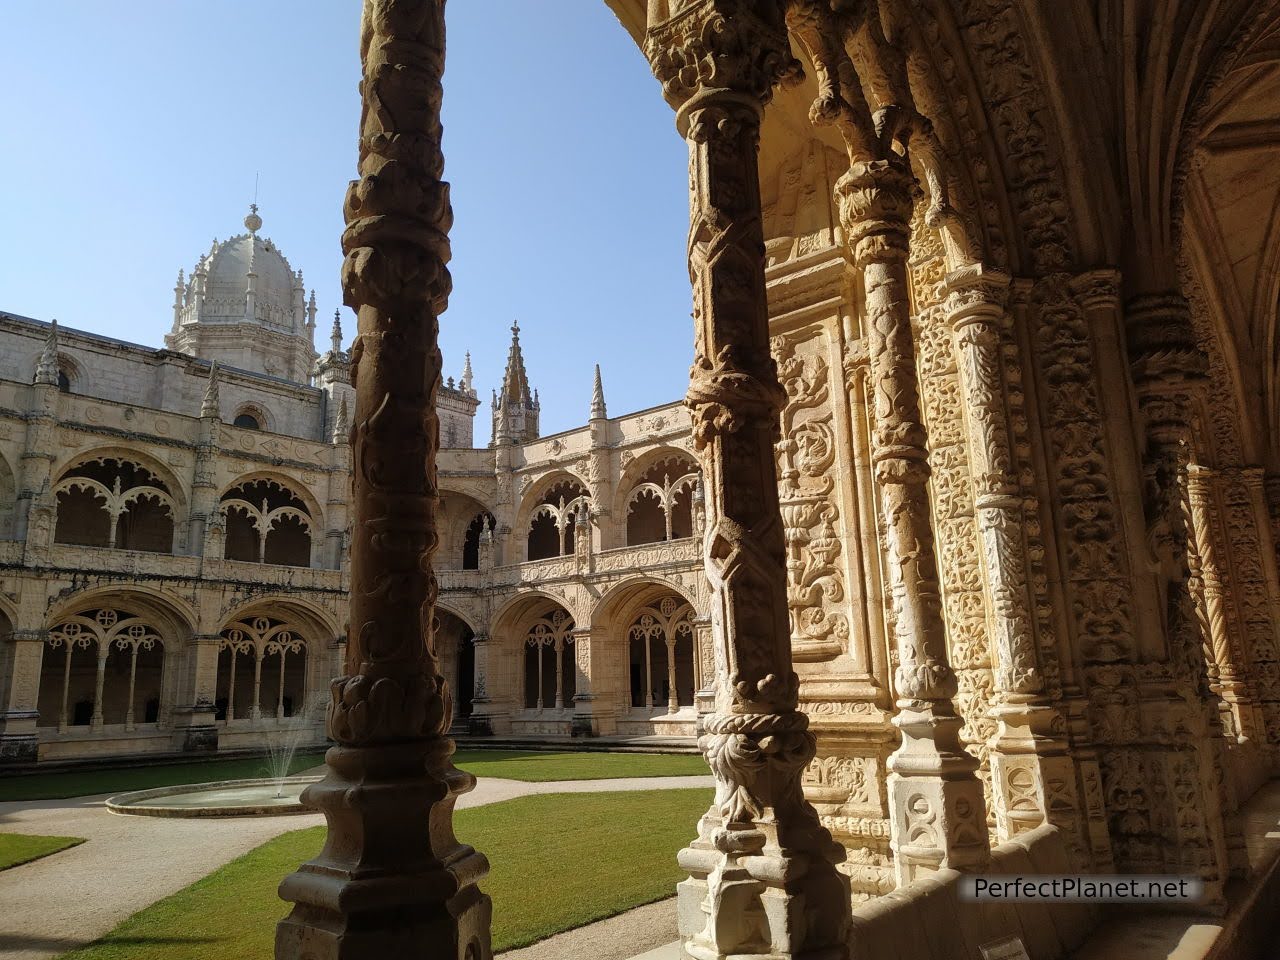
(1035, 777)
(763, 883)
(937, 812)
(392, 880)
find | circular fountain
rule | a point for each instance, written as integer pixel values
(271, 795)
(228, 798)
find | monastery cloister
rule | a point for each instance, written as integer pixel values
(961, 556)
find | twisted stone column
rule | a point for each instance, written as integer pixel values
(392, 880)
(763, 881)
(1029, 752)
(937, 812)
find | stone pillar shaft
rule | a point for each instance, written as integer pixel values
(19, 740)
(392, 879)
(937, 810)
(1030, 751)
(762, 877)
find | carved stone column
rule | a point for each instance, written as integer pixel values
(1228, 666)
(763, 881)
(937, 813)
(1168, 369)
(392, 879)
(1030, 750)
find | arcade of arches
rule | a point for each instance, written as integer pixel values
(989, 284)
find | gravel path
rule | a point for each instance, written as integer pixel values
(617, 938)
(69, 899)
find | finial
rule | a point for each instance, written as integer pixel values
(467, 376)
(335, 337)
(340, 425)
(209, 406)
(515, 330)
(253, 222)
(598, 411)
(47, 365)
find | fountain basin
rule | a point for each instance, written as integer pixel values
(225, 798)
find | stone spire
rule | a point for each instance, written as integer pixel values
(210, 407)
(179, 298)
(515, 382)
(47, 365)
(515, 412)
(468, 378)
(598, 411)
(335, 335)
(340, 423)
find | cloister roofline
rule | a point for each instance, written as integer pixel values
(584, 428)
(155, 354)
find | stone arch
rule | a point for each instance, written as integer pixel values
(270, 518)
(654, 500)
(272, 654)
(535, 630)
(651, 625)
(115, 669)
(257, 413)
(459, 533)
(454, 646)
(549, 514)
(116, 502)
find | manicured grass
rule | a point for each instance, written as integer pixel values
(16, 848)
(85, 783)
(509, 764)
(559, 861)
(537, 767)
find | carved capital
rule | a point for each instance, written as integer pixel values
(875, 200)
(1097, 289)
(1163, 353)
(718, 48)
(976, 293)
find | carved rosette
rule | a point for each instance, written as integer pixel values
(392, 878)
(718, 61)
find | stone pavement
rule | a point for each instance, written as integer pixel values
(69, 899)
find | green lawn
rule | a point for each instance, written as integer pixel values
(510, 764)
(84, 783)
(559, 861)
(16, 848)
(539, 767)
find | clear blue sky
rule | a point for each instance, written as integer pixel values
(133, 132)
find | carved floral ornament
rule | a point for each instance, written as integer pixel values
(103, 628)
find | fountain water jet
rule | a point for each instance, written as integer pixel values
(277, 793)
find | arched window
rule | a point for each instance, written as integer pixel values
(266, 522)
(660, 506)
(110, 502)
(661, 642)
(262, 670)
(110, 671)
(480, 526)
(551, 527)
(550, 674)
(247, 420)
(64, 382)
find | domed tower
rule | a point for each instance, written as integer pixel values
(245, 307)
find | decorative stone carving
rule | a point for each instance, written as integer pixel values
(718, 61)
(810, 512)
(390, 788)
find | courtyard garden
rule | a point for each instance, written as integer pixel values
(550, 872)
(528, 765)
